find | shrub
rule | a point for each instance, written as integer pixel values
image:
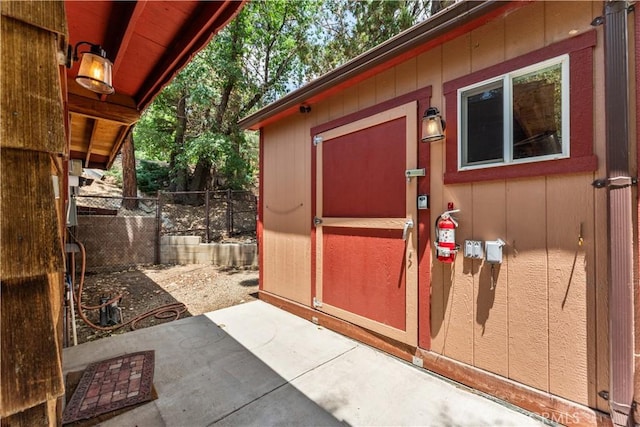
(152, 176)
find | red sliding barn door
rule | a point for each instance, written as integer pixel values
(366, 236)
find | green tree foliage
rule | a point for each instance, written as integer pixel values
(193, 123)
(350, 28)
(269, 49)
(152, 176)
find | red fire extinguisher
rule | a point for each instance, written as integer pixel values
(445, 242)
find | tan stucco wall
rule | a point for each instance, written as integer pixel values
(545, 325)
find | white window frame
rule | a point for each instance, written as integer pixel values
(506, 80)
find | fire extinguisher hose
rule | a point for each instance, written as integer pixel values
(435, 230)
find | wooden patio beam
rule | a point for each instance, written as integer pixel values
(103, 110)
(125, 36)
(123, 33)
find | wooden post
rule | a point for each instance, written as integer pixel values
(31, 278)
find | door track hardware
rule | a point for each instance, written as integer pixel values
(410, 173)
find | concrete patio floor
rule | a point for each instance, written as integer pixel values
(254, 364)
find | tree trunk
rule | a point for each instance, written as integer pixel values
(179, 174)
(129, 179)
(200, 180)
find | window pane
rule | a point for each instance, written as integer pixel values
(537, 113)
(484, 126)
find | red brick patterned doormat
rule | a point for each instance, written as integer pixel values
(111, 385)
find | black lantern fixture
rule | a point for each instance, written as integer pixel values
(433, 125)
(95, 69)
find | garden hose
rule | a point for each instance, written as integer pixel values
(173, 310)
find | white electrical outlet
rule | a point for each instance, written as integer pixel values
(473, 249)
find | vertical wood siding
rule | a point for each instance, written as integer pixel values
(545, 323)
(287, 212)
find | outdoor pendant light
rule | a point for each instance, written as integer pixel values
(433, 125)
(95, 69)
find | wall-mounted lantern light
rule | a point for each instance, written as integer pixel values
(95, 69)
(433, 125)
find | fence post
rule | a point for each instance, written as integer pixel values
(157, 257)
(229, 225)
(231, 213)
(206, 217)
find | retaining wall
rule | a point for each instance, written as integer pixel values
(118, 241)
(190, 250)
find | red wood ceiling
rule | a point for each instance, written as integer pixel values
(149, 42)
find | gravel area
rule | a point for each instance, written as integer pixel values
(201, 288)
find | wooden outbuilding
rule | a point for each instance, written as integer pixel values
(539, 163)
(47, 120)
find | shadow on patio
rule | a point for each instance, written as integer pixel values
(254, 364)
(204, 376)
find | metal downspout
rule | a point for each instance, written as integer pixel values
(620, 227)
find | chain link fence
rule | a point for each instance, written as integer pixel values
(122, 232)
(212, 215)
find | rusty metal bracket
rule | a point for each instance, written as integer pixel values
(615, 182)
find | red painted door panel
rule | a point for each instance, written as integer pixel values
(363, 173)
(366, 267)
(364, 273)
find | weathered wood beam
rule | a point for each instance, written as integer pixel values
(103, 110)
(30, 366)
(31, 244)
(31, 112)
(46, 15)
(40, 415)
(31, 285)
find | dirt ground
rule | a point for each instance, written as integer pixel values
(196, 289)
(201, 288)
